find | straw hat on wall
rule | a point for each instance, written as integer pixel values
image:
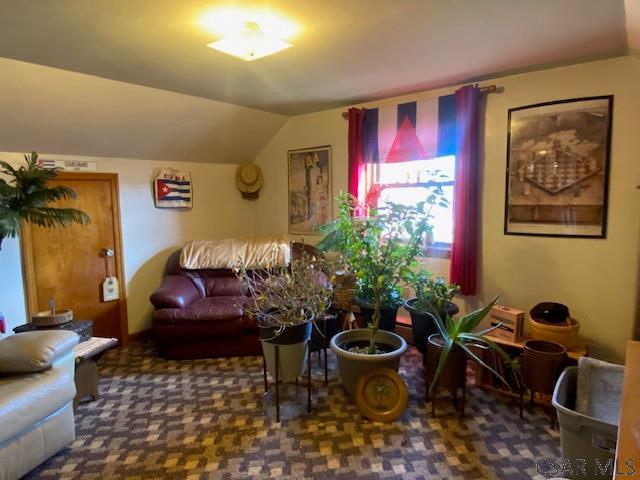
(249, 180)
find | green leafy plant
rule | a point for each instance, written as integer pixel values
(380, 248)
(461, 333)
(26, 197)
(432, 293)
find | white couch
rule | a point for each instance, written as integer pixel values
(36, 399)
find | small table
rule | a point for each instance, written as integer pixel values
(86, 377)
(83, 328)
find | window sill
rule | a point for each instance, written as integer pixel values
(438, 252)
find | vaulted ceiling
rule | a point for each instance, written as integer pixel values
(349, 51)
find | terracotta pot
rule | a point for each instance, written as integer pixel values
(453, 374)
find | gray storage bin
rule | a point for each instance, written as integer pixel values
(588, 444)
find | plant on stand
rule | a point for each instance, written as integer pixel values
(286, 302)
(25, 197)
(380, 250)
(432, 295)
(455, 341)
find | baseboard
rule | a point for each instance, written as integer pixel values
(141, 335)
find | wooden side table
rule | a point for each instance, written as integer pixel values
(86, 377)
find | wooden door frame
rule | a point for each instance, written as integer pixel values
(28, 266)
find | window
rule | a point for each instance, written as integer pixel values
(408, 183)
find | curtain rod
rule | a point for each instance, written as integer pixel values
(483, 90)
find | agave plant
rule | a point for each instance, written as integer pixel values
(461, 333)
(25, 197)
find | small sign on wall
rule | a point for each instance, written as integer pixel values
(69, 165)
(173, 189)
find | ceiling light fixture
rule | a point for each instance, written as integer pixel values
(248, 35)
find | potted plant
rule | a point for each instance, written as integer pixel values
(380, 250)
(286, 303)
(432, 294)
(455, 341)
(25, 197)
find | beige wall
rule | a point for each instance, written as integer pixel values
(56, 111)
(595, 278)
(149, 234)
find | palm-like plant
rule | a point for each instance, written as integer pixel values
(461, 333)
(26, 197)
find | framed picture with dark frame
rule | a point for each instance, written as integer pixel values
(558, 168)
(310, 195)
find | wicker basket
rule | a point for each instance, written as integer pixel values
(542, 363)
(344, 291)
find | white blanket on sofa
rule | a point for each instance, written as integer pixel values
(229, 252)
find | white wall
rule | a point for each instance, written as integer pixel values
(149, 234)
(595, 278)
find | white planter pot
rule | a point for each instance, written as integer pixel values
(293, 344)
(352, 365)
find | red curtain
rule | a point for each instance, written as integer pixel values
(356, 160)
(464, 249)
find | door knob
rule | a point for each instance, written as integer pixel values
(108, 252)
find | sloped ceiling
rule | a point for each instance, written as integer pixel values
(349, 51)
(57, 111)
(632, 10)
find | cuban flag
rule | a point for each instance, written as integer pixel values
(410, 131)
(173, 189)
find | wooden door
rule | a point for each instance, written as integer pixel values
(69, 264)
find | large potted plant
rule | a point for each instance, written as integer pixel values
(455, 341)
(432, 295)
(380, 250)
(25, 197)
(286, 302)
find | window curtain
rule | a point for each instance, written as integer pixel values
(356, 163)
(464, 249)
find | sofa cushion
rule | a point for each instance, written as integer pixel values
(211, 309)
(34, 351)
(224, 286)
(28, 398)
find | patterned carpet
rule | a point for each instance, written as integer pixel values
(204, 419)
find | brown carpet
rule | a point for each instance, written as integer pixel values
(204, 419)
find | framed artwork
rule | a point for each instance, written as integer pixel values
(309, 189)
(558, 168)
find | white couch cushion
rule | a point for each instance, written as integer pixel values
(28, 398)
(35, 351)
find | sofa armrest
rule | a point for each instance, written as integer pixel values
(176, 291)
(35, 351)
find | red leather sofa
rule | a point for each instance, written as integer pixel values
(198, 314)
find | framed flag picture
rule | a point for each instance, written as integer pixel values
(558, 168)
(309, 189)
(173, 189)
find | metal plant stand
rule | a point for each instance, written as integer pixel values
(277, 379)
